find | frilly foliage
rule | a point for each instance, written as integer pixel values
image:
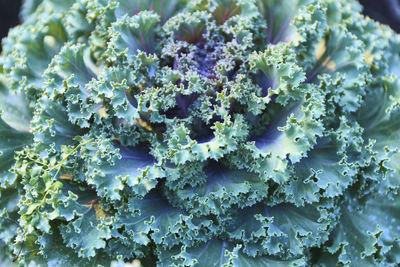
(200, 133)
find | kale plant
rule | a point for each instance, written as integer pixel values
(199, 133)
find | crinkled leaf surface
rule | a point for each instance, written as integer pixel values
(199, 133)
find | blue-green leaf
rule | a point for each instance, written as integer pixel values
(368, 232)
(11, 141)
(133, 34)
(133, 166)
(222, 190)
(283, 230)
(86, 234)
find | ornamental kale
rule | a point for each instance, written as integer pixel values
(199, 133)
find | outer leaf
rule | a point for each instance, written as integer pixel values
(68, 75)
(32, 49)
(327, 170)
(51, 125)
(368, 232)
(340, 52)
(153, 217)
(8, 209)
(226, 135)
(15, 107)
(219, 253)
(133, 166)
(54, 253)
(291, 132)
(86, 234)
(223, 190)
(380, 122)
(11, 141)
(282, 230)
(212, 253)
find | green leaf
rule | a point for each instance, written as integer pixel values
(133, 34)
(11, 141)
(15, 107)
(223, 10)
(31, 48)
(74, 201)
(283, 230)
(68, 75)
(51, 125)
(226, 135)
(222, 190)
(245, 261)
(165, 9)
(278, 16)
(380, 120)
(55, 253)
(154, 218)
(393, 56)
(8, 212)
(292, 131)
(219, 253)
(78, 21)
(188, 27)
(114, 85)
(69, 64)
(288, 133)
(381, 127)
(339, 51)
(328, 170)
(28, 7)
(86, 234)
(133, 166)
(277, 74)
(368, 232)
(212, 253)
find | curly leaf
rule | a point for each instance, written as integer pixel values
(133, 34)
(133, 166)
(222, 190)
(11, 141)
(86, 234)
(278, 16)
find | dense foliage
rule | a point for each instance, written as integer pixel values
(202, 132)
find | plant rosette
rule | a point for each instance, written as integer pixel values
(199, 133)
